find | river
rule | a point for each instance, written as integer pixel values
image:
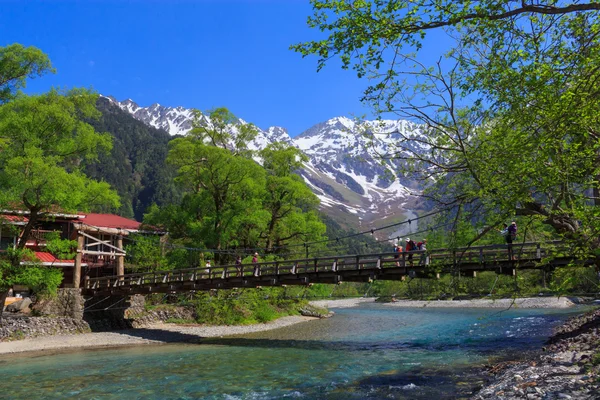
(369, 352)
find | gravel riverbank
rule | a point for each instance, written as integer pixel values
(569, 367)
(152, 334)
(526, 302)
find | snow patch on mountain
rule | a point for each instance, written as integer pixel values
(343, 169)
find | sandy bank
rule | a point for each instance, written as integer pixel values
(527, 302)
(342, 303)
(154, 334)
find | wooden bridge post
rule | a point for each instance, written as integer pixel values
(456, 273)
(120, 258)
(544, 283)
(77, 267)
(538, 251)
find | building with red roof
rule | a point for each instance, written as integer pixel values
(100, 239)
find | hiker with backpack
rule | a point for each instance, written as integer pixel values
(255, 264)
(410, 247)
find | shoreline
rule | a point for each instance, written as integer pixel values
(163, 333)
(522, 303)
(567, 367)
(154, 334)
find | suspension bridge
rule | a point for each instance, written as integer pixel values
(464, 262)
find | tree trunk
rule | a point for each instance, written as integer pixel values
(33, 218)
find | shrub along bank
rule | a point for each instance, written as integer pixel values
(243, 306)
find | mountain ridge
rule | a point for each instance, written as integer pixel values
(354, 187)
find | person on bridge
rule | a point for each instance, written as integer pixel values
(504, 230)
(238, 264)
(410, 247)
(207, 265)
(512, 230)
(255, 263)
(511, 236)
(397, 251)
(422, 246)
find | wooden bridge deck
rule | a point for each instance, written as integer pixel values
(335, 269)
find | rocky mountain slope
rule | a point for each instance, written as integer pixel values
(355, 187)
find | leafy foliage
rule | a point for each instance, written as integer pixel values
(44, 140)
(17, 63)
(509, 114)
(230, 201)
(41, 280)
(229, 307)
(60, 248)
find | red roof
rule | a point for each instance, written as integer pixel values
(110, 221)
(14, 218)
(49, 258)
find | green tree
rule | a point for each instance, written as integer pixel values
(145, 254)
(17, 63)
(290, 203)
(509, 121)
(231, 202)
(43, 144)
(221, 128)
(223, 187)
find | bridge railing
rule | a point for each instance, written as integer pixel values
(487, 254)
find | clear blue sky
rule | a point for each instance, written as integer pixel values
(200, 54)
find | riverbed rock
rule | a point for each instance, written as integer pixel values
(21, 327)
(19, 306)
(564, 370)
(310, 310)
(163, 314)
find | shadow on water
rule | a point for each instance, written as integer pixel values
(423, 383)
(480, 345)
(161, 335)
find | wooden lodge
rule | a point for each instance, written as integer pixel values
(100, 242)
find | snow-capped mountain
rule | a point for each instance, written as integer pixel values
(178, 121)
(355, 187)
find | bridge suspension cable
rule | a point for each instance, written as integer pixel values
(249, 250)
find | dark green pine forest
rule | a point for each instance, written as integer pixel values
(136, 166)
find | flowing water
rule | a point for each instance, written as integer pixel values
(370, 352)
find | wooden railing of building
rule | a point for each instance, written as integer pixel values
(334, 269)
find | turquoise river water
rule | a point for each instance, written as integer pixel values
(370, 352)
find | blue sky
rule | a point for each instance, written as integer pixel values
(201, 54)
